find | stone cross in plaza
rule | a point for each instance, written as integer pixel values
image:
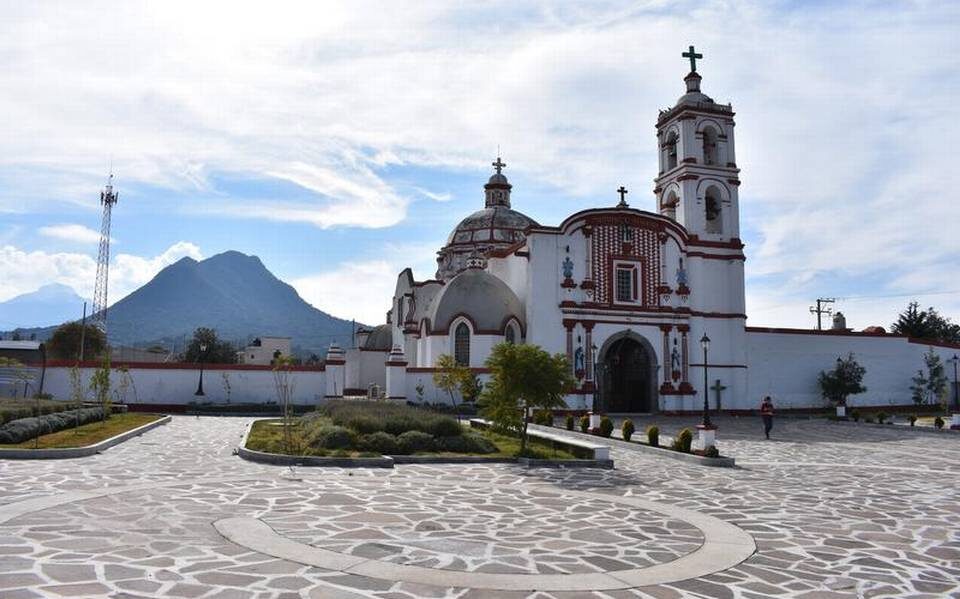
(623, 199)
(693, 56)
(718, 388)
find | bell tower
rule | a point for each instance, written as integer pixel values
(698, 175)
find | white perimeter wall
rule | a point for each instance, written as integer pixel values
(785, 366)
(177, 386)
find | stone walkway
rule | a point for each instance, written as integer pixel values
(832, 511)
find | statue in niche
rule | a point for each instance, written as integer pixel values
(578, 364)
(567, 268)
(675, 361)
(681, 275)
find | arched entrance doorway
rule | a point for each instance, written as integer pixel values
(627, 375)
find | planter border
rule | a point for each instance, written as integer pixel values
(385, 461)
(64, 453)
(930, 430)
(720, 462)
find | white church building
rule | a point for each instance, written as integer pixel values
(628, 295)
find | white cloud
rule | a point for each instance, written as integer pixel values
(358, 290)
(71, 232)
(841, 135)
(24, 271)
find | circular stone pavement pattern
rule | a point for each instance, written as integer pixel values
(835, 512)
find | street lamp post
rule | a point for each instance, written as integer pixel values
(597, 391)
(707, 432)
(955, 420)
(203, 350)
(705, 344)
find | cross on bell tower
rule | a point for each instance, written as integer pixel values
(497, 189)
(499, 164)
(693, 55)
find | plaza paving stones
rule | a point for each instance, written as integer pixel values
(833, 512)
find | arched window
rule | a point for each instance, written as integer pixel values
(710, 146)
(671, 150)
(713, 211)
(510, 336)
(669, 205)
(461, 344)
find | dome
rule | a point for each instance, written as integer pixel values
(497, 224)
(486, 300)
(379, 339)
(498, 179)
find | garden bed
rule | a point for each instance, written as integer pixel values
(370, 433)
(14, 409)
(85, 440)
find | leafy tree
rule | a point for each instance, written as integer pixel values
(929, 386)
(450, 377)
(523, 377)
(844, 380)
(470, 387)
(217, 351)
(64, 344)
(926, 324)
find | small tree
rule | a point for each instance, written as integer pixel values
(523, 378)
(470, 387)
(844, 380)
(125, 384)
(450, 377)
(217, 351)
(77, 394)
(100, 385)
(929, 386)
(284, 384)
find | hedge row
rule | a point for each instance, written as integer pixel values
(409, 442)
(366, 418)
(19, 410)
(24, 429)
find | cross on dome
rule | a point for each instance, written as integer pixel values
(693, 56)
(499, 164)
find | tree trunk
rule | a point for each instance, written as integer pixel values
(453, 402)
(523, 432)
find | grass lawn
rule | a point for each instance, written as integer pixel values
(266, 436)
(91, 433)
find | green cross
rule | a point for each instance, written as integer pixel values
(693, 56)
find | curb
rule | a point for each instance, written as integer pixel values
(721, 462)
(80, 452)
(930, 430)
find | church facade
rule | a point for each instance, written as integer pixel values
(649, 307)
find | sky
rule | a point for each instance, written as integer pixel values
(342, 141)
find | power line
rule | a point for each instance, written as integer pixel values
(821, 309)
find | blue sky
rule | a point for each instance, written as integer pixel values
(341, 143)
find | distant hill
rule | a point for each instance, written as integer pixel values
(230, 292)
(49, 305)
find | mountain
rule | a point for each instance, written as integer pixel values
(230, 292)
(51, 304)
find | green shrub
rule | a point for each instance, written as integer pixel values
(938, 422)
(653, 435)
(881, 416)
(683, 441)
(466, 443)
(24, 429)
(543, 417)
(627, 429)
(584, 424)
(332, 437)
(569, 422)
(414, 441)
(363, 424)
(712, 452)
(855, 415)
(606, 426)
(445, 427)
(378, 442)
(366, 417)
(868, 419)
(913, 419)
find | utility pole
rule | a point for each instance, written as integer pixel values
(822, 309)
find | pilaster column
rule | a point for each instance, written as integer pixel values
(588, 237)
(667, 362)
(335, 371)
(396, 366)
(568, 325)
(588, 338)
(684, 355)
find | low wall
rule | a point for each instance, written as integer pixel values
(176, 384)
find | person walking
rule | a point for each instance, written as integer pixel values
(766, 413)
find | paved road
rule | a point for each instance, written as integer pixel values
(834, 511)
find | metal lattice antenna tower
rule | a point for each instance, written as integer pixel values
(108, 198)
